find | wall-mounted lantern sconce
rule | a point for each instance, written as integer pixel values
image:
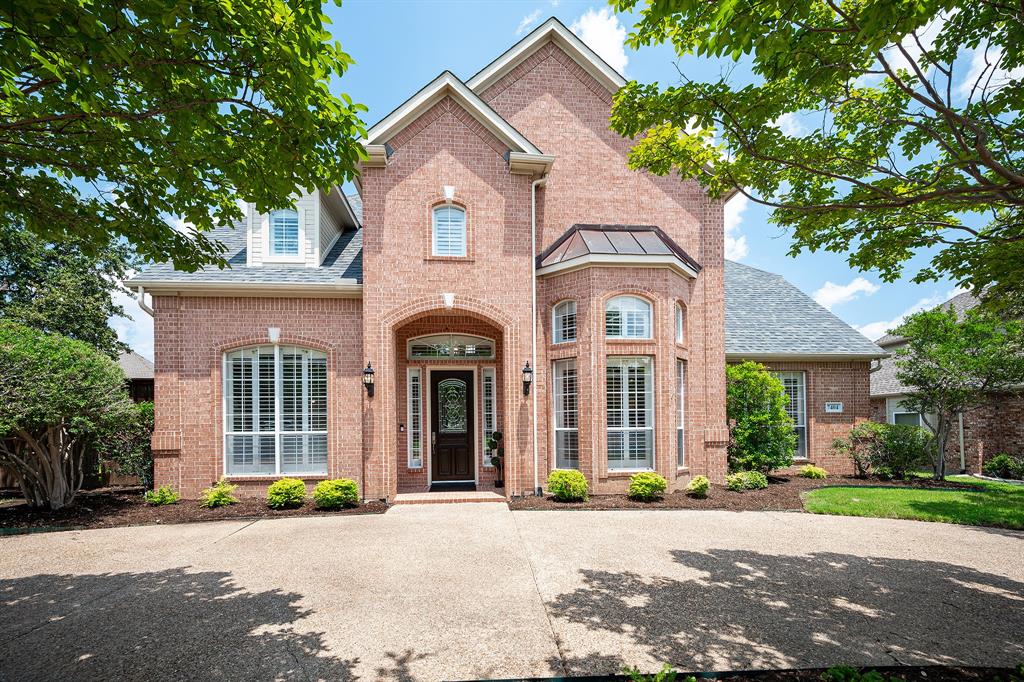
(527, 378)
(368, 379)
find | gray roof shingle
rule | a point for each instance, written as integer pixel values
(767, 316)
(135, 366)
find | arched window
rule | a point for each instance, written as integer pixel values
(680, 323)
(627, 317)
(443, 346)
(449, 231)
(564, 322)
(275, 411)
(284, 233)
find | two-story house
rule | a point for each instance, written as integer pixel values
(500, 269)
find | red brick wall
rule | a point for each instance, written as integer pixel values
(191, 334)
(995, 427)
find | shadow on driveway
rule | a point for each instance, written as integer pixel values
(168, 624)
(754, 610)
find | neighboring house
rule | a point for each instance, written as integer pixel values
(980, 433)
(138, 373)
(501, 269)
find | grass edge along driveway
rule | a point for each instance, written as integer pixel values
(994, 504)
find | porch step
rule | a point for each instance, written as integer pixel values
(448, 497)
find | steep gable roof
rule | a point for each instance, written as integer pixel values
(554, 31)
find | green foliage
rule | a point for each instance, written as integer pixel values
(165, 494)
(647, 486)
(698, 486)
(127, 441)
(218, 495)
(746, 480)
(56, 394)
(1004, 466)
(861, 445)
(761, 437)
(567, 485)
(335, 493)
(286, 493)
(845, 673)
(851, 126)
(496, 449)
(811, 471)
(952, 363)
(162, 108)
(666, 674)
(887, 450)
(62, 289)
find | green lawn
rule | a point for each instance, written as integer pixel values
(992, 504)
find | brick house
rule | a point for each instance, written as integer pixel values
(996, 426)
(500, 269)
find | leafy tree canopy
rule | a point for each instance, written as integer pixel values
(953, 364)
(761, 435)
(62, 289)
(115, 114)
(875, 128)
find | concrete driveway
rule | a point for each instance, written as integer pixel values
(476, 591)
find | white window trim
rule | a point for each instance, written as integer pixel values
(920, 418)
(650, 319)
(457, 358)
(277, 432)
(268, 255)
(652, 428)
(681, 426)
(555, 429)
(556, 317)
(412, 456)
(433, 231)
(488, 412)
(803, 401)
(680, 324)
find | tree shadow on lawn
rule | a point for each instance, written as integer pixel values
(168, 624)
(747, 610)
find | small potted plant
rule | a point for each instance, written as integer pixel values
(497, 458)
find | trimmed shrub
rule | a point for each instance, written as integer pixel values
(862, 446)
(567, 485)
(1004, 466)
(286, 493)
(165, 494)
(647, 486)
(811, 471)
(335, 493)
(218, 495)
(761, 436)
(746, 480)
(904, 448)
(698, 486)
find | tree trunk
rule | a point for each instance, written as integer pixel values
(49, 464)
(941, 436)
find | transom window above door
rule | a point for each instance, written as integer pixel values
(627, 317)
(449, 231)
(450, 346)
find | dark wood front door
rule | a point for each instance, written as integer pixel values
(451, 426)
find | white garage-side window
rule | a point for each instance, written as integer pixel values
(415, 405)
(629, 395)
(449, 236)
(564, 322)
(627, 317)
(795, 386)
(275, 416)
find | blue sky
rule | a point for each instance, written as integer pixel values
(400, 45)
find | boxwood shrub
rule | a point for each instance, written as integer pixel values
(811, 471)
(746, 480)
(568, 486)
(646, 486)
(698, 486)
(218, 495)
(1004, 466)
(286, 493)
(165, 494)
(336, 493)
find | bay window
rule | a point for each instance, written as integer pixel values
(627, 317)
(564, 322)
(629, 395)
(566, 394)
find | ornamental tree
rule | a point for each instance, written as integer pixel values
(762, 436)
(875, 128)
(118, 114)
(952, 365)
(55, 395)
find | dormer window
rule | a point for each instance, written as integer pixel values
(284, 233)
(449, 231)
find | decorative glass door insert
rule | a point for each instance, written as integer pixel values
(451, 400)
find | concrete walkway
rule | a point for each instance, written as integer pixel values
(476, 591)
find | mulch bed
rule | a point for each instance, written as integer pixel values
(782, 494)
(111, 507)
(910, 673)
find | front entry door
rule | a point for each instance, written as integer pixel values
(451, 426)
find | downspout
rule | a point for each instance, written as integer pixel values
(141, 300)
(540, 182)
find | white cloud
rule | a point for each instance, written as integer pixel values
(527, 21)
(926, 37)
(602, 32)
(790, 124)
(831, 294)
(136, 332)
(876, 330)
(985, 65)
(735, 243)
